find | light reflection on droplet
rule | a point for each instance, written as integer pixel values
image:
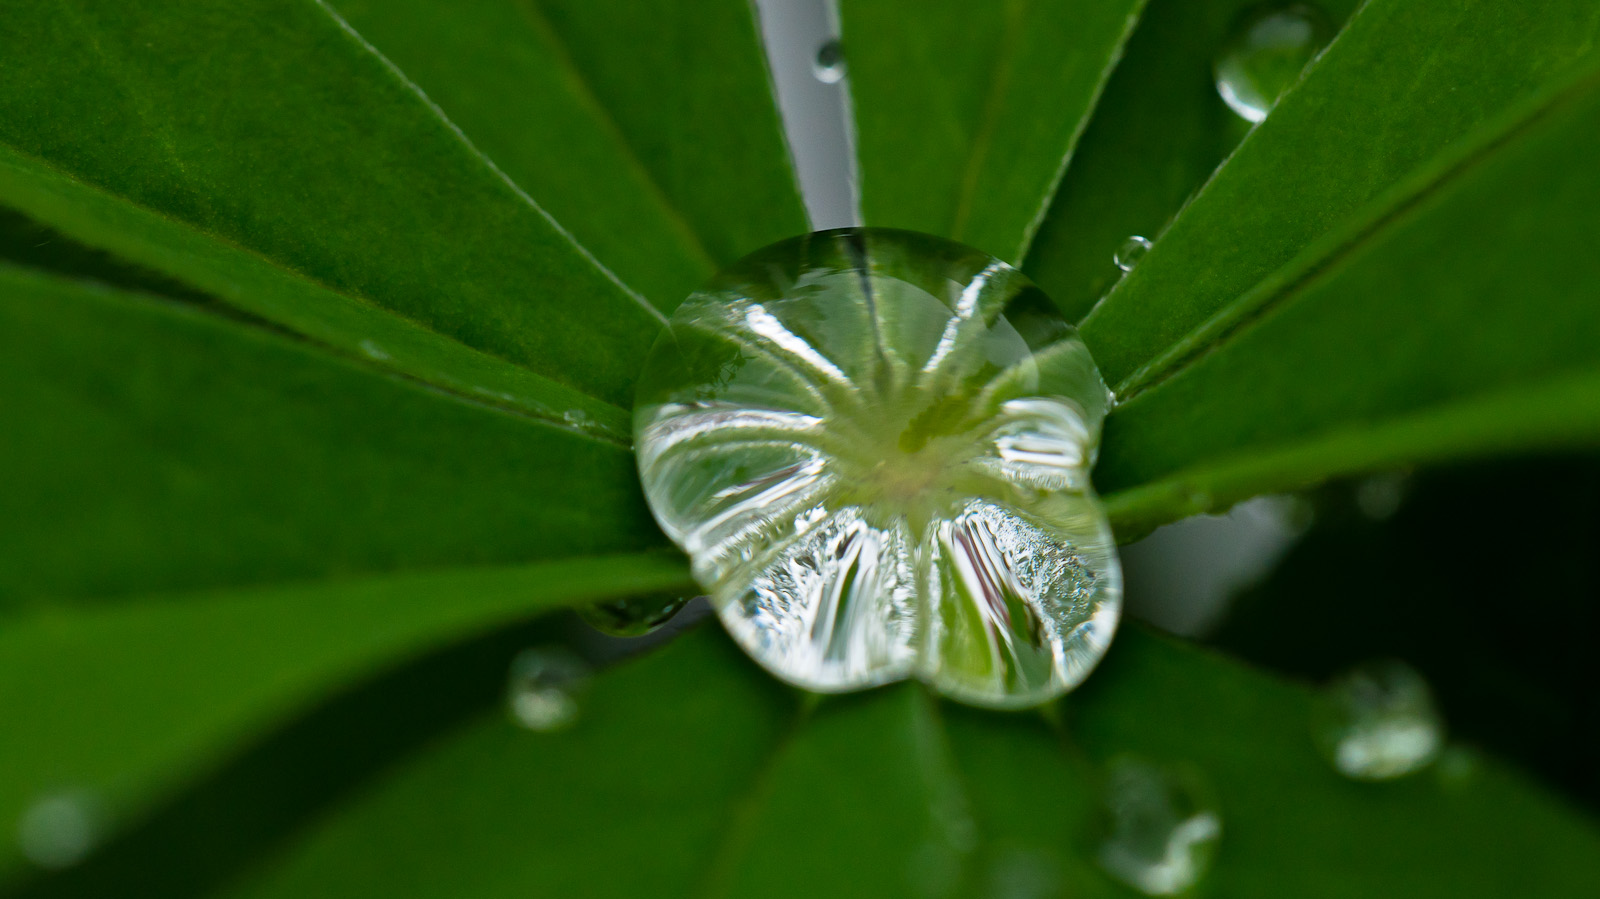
(546, 688)
(1269, 47)
(576, 417)
(59, 830)
(1378, 722)
(829, 64)
(633, 616)
(1162, 829)
(1131, 251)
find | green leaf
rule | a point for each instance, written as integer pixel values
(1157, 133)
(878, 795)
(155, 446)
(964, 121)
(1452, 318)
(272, 127)
(128, 701)
(1365, 118)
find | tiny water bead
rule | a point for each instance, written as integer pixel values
(1161, 829)
(829, 65)
(59, 830)
(875, 447)
(1131, 251)
(1378, 722)
(1269, 47)
(633, 616)
(546, 686)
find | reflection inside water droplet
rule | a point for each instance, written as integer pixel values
(546, 686)
(875, 447)
(633, 616)
(59, 830)
(829, 65)
(1131, 251)
(1269, 47)
(1161, 828)
(1378, 721)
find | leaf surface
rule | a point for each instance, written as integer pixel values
(129, 701)
(964, 121)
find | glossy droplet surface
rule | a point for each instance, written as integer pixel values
(59, 830)
(1267, 50)
(875, 446)
(829, 65)
(1161, 829)
(1378, 721)
(1131, 251)
(633, 616)
(546, 687)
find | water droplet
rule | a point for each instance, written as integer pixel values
(60, 829)
(874, 446)
(1378, 722)
(1161, 829)
(829, 66)
(1270, 46)
(546, 685)
(634, 616)
(1131, 251)
(1379, 497)
(372, 351)
(1024, 874)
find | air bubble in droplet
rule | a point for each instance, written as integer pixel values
(59, 830)
(1161, 830)
(875, 447)
(546, 686)
(829, 65)
(1269, 47)
(1378, 722)
(1131, 251)
(633, 616)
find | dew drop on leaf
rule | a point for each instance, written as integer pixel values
(1378, 721)
(1267, 49)
(1131, 251)
(633, 616)
(59, 830)
(829, 65)
(546, 686)
(575, 417)
(1161, 829)
(875, 446)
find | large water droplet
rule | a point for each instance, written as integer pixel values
(1269, 47)
(59, 830)
(1378, 722)
(1131, 251)
(829, 65)
(546, 685)
(1162, 830)
(875, 447)
(633, 616)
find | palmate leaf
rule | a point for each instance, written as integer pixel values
(882, 795)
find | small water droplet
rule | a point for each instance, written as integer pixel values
(1377, 721)
(546, 686)
(829, 65)
(633, 616)
(1270, 45)
(1379, 496)
(1024, 874)
(1131, 251)
(372, 351)
(875, 490)
(1162, 829)
(60, 829)
(576, 417)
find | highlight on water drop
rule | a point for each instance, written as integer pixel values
(829, 66)
(1161, 830)
(1268, 47)
(1131, 251)
(875, 447)
(546, 686)
(1378, 721)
